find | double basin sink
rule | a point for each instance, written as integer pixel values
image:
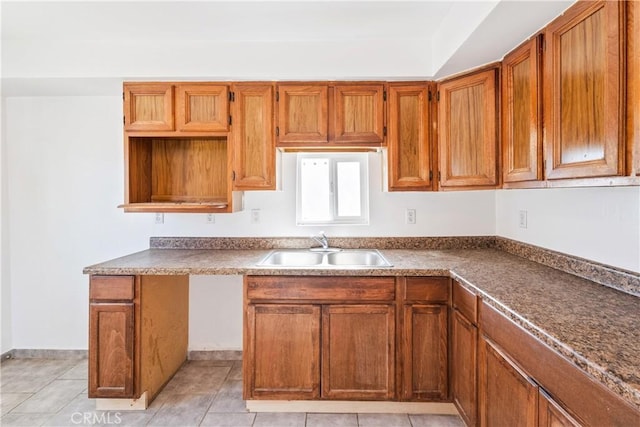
(329, 258)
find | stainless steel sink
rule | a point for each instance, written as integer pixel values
(304, 258)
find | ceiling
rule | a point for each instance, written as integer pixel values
(46, 41)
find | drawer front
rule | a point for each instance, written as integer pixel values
(323, 288)
(429, 289)
(466, 302)
(111, 288)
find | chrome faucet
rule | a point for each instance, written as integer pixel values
(322, 239)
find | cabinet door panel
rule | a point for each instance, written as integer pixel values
(284, 351)
(254, 137)
(507, 396)
(358, 347)
(467, 130)
(464, 340)
(633, 86)
(425, 352)
(408, 139)
(522, 136)
(148, 106)
(202, 107)
(111, 348)
(550, 414)
(583, 92)
(302, 114)
(359, 113)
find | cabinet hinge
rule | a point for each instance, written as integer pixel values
(439, 176)
(277, 96)
(384, 95)
(233, 175)
(232, 96)
(430, 175)
(230, 120)
(384, 131)
(430, 96)
(123, 96)
(438, 96)
(124, 120)
(277, 131)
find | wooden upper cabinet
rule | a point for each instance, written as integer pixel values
(633, 86)
(148, 106)
(408, 138)
(358, 113)
(253, 136)
(467, 130)
(583, 91)
(521, 113)
(202, 107)
(302, 113)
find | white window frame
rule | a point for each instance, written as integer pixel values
(333, 184)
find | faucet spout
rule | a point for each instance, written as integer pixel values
(321, 238)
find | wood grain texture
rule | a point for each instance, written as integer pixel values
(111, 350)
(465, 301)
(464, 367)
(111, 288)
(408, 139)
(550, 414)
(467, 119)
(137, 170)
(633, 87)
(284, 351)
(358, 352)
(358, 113)
(521, 113)
(303, 113)
(507, 396)
(148, 106)
(583, 87)
(202, 107)
(320, 288)
(163, 330)
(427, 289)
(253, 137)
(425, 352)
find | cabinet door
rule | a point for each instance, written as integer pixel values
(425, 352)
(253, 137)
(507, 397)
(358, 113)
(358, 347)
(148, 106)
(583, 92)
(464, 340)
(521, 118)
(283, 348)
(551, 414)
(302, 114)
(202, 107)
(467, 130)
(111, 339)
(408, 138)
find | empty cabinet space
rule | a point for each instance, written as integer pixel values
(177, 174)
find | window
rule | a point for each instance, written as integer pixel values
(332, 188)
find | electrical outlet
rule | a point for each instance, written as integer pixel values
(159, 219)
(255, 216)
(522, 219)
(211, 219)
(410, 216)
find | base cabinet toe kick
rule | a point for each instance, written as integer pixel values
(349, 343)
(138, 336)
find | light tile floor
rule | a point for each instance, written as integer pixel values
(52, 392)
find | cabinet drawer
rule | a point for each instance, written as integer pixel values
(466, 302)
(320, 288)
(110, 288)
(431, 289)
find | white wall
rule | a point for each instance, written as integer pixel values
(600, 224)
(65, 177)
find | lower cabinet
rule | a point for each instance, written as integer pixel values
(551, 414)
(464, 341)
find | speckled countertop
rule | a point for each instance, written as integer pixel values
(597, 327)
